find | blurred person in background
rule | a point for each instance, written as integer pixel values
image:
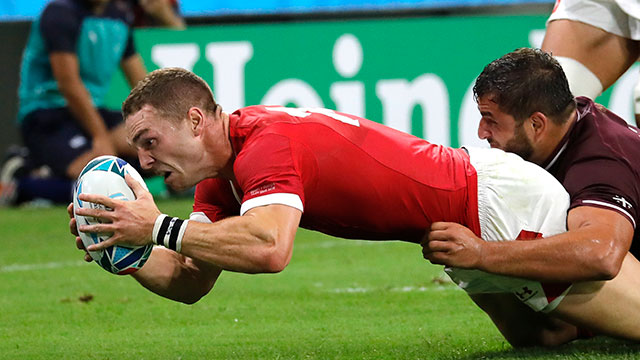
(74, 49)
(164, 13)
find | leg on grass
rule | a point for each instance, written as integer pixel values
(611, 307)
(520, 325)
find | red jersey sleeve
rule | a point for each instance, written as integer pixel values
(214, 199)
(274, 179)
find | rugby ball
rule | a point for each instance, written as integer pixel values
(104, 175)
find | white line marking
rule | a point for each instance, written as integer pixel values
(42, 266)
(402, 289)
(64, 264)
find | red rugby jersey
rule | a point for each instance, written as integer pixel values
(352, 177)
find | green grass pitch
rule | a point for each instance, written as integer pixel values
(338, 299)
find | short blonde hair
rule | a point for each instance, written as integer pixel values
(171, 92)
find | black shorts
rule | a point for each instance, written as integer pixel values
(55, 138)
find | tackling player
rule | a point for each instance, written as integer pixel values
(527, 109)
(265, 170)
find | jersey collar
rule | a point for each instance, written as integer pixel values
(562, 145)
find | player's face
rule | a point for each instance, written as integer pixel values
(501, 129)
(168, 148)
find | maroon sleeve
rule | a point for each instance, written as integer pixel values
(603, 183)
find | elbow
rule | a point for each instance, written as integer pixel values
(275, 263)
(608, 269)
(193, 296)
(190, 300)
(66, 88)
(274, 255)
(607, 265)
(196, 291)
(274, 259)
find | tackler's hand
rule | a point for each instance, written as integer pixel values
(452, 244)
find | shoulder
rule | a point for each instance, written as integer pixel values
(60, 5)
(60, 11)
(598, 130)
(60, 23)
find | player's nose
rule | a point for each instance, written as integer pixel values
(146, 160)
(483, 133)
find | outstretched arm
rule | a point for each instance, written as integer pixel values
(259, 241)
(166, 272)
(592, 249)
(177, 277)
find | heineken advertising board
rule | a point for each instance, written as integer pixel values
(413, 74)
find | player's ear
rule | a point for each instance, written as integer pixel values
(538, 123)
(195, 118)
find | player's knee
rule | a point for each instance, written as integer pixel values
(582, 82)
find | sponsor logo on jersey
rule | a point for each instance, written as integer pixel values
(263, 189)
(622, 201)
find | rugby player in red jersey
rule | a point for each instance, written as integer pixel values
(527, 109)
(265, 170)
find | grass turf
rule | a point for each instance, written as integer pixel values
(338, 299)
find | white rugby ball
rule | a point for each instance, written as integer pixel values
(104, 175)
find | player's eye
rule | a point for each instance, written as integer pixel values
(489, 121)
(148, 143)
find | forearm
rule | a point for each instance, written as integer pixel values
(567, 257)
(176, 277)
(237, 244)
(84, 111)
(133, 69)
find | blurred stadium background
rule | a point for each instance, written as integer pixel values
(407, 63)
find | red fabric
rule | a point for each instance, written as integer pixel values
(356, 178)
(551, 290)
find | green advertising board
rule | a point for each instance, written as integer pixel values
(414, 74)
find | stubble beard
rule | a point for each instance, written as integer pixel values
(520, 143)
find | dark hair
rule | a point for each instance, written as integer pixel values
(525, 81)
(171, 92)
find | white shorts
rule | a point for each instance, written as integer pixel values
(516, 199)
(619, 17)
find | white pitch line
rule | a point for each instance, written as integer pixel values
(41, 266)
(55, 265)
(403, 289)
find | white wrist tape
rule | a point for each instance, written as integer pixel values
(169, 231)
